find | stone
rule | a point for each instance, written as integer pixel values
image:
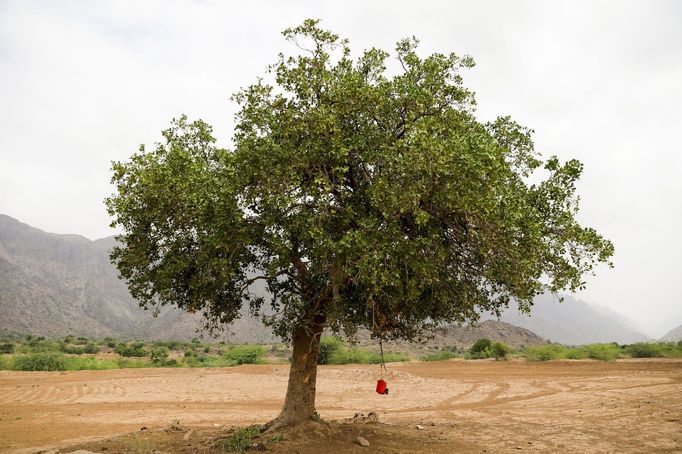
(361, 441)
(419, 427)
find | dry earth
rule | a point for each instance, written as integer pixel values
(463, 406)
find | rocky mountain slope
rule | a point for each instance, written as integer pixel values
(53, 284)
(674, 335)
(573, 322)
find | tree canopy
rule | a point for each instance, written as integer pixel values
(363, 191)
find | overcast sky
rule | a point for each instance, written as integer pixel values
(84, 83)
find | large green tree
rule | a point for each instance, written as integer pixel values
(362, 197)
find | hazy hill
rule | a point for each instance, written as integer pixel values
(674, 335)
(56, 284)
(574, 322)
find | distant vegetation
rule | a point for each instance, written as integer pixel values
(603, 352)
(335, 351)
(30, 353)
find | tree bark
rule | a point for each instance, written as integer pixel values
(299, 404)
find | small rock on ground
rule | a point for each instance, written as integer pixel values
(362, 441)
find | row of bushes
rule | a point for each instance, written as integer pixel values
(335, 351)
(159, 358)
(603, 352)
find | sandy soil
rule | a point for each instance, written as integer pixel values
(463, 406)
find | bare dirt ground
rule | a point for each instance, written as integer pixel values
(463, 406)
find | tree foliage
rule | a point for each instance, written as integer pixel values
(363, 196)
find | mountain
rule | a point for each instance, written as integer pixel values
(53, 284)
(674, 335)
(573, 322)
(496, 331)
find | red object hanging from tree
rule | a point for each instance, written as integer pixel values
(381, 387)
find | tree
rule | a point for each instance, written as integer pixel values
(361, 198)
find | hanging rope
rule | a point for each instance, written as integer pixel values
(381, 350)
(382, 366)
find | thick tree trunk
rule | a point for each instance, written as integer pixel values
(299, 404)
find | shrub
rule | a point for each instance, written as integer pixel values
(644, 350)
(576, 353)
(440, 356)
(173, 345)
(500, 350)
(329, 346)
(602, 352)
(126, 363)
(39, 362)
(481, 347)
(40, 345)
(134, 350)
(245, 354)
(159, 356)
(544, 352)
(76, 363)
(240, 441)
(6, 347)
(389, 357)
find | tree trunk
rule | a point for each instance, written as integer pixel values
(299, 404)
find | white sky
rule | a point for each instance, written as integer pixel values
(83, 83)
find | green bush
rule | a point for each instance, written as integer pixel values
(128, 363)
(544, 352)
(602, 352)
(40, 345)
(79, 363)
(133, 350)
(480, 349)
(90, 348)
(644, 350)
(208, 361)
(389, 357)
(576, 353)
(499, 350)
(245, 354)
(329, 345)
(173, 345)
(345, 355)
(440, 356)
(6, 347)
(39, 362)
(240, 441)
(159, 356)
(480, 346)
(654, 350)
